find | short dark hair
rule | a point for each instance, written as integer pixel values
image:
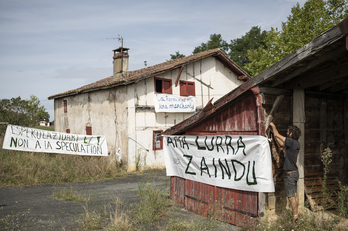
(296, 132)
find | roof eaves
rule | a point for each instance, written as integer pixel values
(330, 36)
(163, 67)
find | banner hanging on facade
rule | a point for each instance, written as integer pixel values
(236, 162)
(36, 140)
(174, 103)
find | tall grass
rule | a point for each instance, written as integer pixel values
(151, 205)
(309, 221)
(26, 168)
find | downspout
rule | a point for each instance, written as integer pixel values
(115, 121)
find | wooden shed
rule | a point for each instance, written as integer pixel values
(307, 88)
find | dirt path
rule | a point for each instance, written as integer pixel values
(38, 204)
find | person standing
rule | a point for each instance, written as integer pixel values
(291, 175)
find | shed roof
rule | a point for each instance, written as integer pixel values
(319, 67)
(135, 76)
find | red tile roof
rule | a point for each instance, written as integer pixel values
(135, 76)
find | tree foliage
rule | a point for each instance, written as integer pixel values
(215, 41)
(22, 112)
(177, 55)
(239, 47)
(302, 26)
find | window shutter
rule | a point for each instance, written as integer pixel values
(65, 106)
(191, 89)
(163, 85)
(88, 130)
(187, 88)
(167, 86)
(182, 88)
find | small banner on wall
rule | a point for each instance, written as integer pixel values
(174, 103)
(236, 162)
(36, 140)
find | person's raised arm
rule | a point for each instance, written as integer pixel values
(280, 138)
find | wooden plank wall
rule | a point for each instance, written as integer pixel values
(233, 206)
(276, 202)
(230, 205)
(324, 127)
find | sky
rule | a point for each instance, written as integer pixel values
(48, 47)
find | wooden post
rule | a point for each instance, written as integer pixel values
(323, 133)
(345, 121)
(299, 121)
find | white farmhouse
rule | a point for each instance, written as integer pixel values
(122, 106)
(44, 123)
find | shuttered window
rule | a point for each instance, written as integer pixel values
(88, 130)
(187, 88)
(67, 130)
(65, 106)
(157, 141)
(163, 86)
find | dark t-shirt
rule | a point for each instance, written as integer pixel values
(292, 147)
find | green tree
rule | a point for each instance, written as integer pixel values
(22, 112)
(36, 111)
(302, 26)
(177, 55)
(239, 47)
(215, 41)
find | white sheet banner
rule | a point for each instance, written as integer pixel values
(236, 162)
(174, 103)
(37, 140)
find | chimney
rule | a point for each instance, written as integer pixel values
(121, 58)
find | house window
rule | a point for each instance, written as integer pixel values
(187, 88)
(88, 130)
(163, 86)
(65, 106)
(157, 140)
(67, 130)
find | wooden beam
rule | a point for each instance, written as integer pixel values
(323, 122)
(343, 25)
(177, 78)
(345, 124)
(341, 86)
(328, 85)
(274, 109)
(299, 121)
(327, 95)
(275, 91)
(199, 80)
(276, 104)
(320, 77)
(262, 205)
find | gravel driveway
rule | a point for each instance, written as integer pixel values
(38, 204)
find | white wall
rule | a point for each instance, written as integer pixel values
(126, 115)
(205, 73)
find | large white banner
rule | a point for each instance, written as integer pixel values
(174, 103)
(36, 140)
(236, 162)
